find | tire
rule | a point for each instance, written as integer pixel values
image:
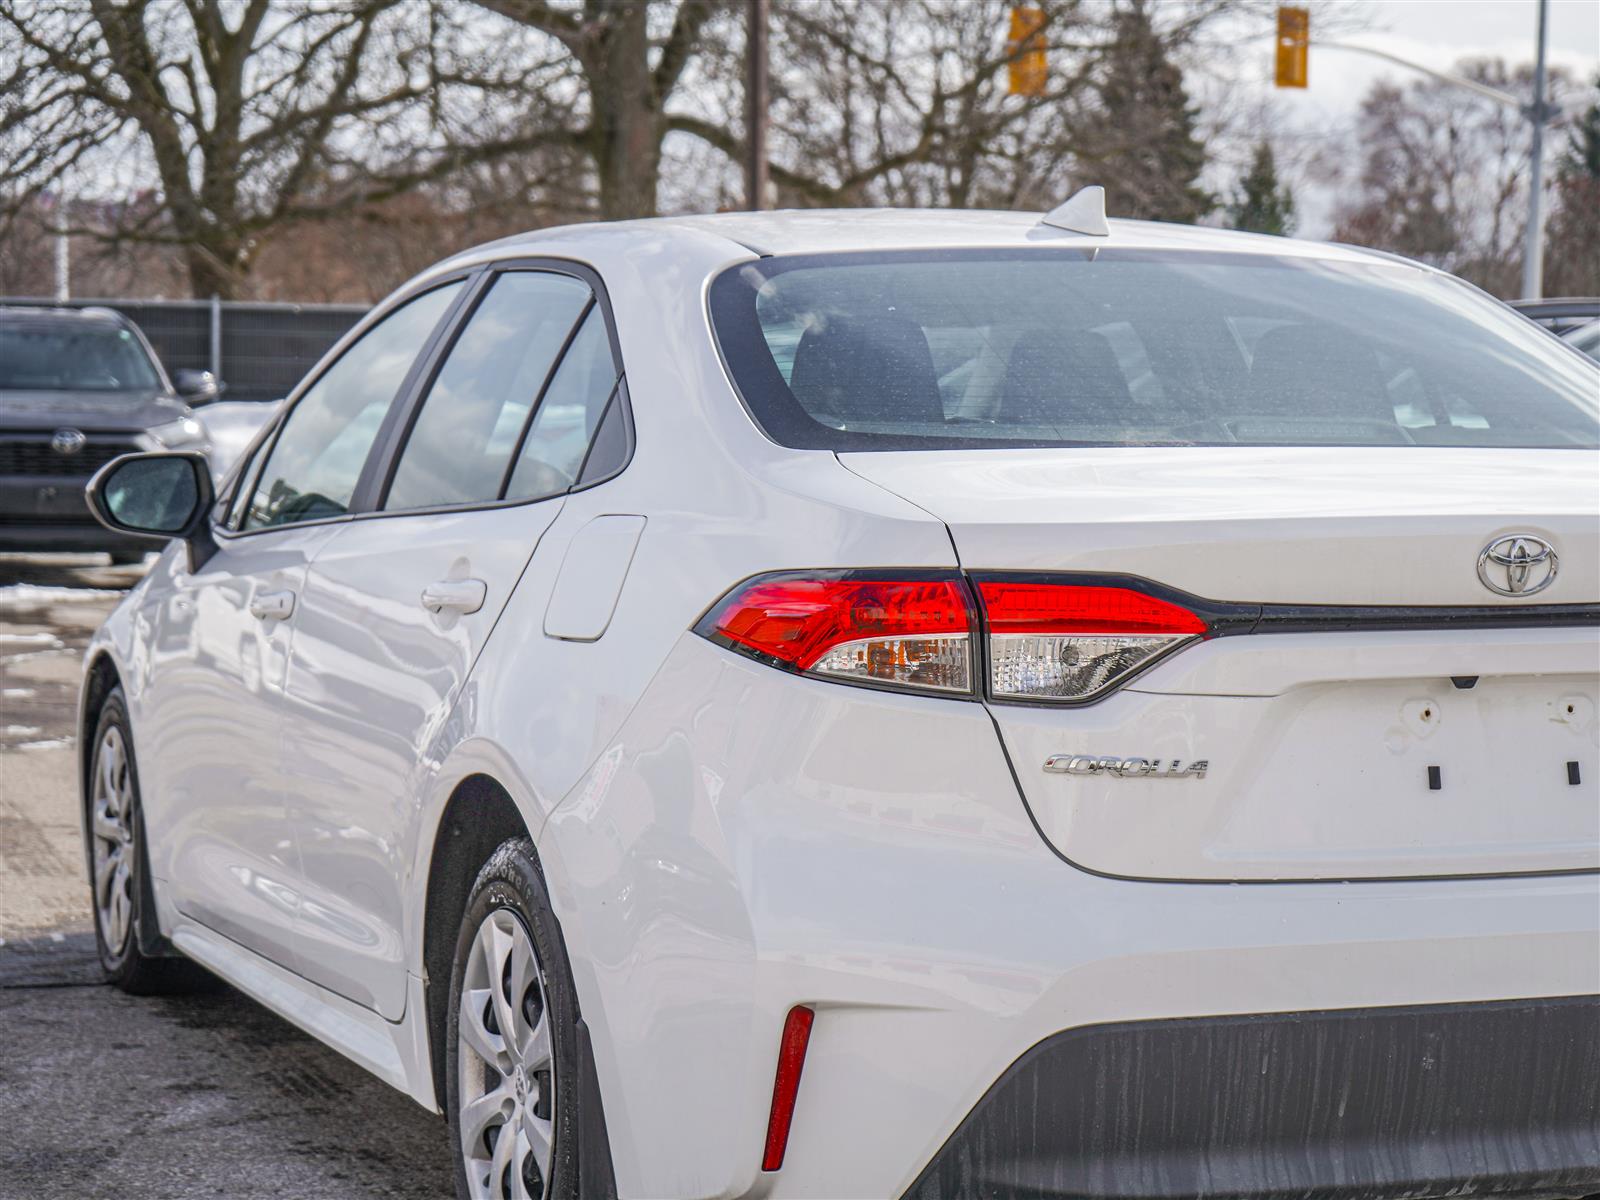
(133, 955)
(534, 1093)
(126, 558)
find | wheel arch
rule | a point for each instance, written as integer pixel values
(100, 678)
(477, 818)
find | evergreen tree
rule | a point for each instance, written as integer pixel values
(1583, 144)
(1147, 153)
(1572, 235)
(1262, 204)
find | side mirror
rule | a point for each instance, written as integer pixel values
(197, 387)
(157, 496)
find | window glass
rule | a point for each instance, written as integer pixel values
(608, 453)
(1038, 347)
(313, 466)
(467, 431)
(567, 416)
(244, 483)
(85, 356)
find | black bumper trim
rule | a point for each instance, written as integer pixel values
(1487, 1099)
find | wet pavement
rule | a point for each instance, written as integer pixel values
(106, 1095)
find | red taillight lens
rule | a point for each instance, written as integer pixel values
(895, 632)
(1078, 608)
(1073, 642)
(1065, 641)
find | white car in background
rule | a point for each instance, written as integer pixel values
(230, 426)
(1585, 338)
(883, 704)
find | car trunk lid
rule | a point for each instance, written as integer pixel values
(1390, 715)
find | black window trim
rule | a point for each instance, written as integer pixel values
(406, 412)
(264, 448)
(551, 372)
(382, 460)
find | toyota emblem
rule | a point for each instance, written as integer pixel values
(68, 441)
(1518, 565)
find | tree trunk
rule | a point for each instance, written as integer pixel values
(216, 268)
(627, 129)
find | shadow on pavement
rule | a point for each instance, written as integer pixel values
(115, 1096)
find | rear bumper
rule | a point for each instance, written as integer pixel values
(755, 841)
(1498, 1099)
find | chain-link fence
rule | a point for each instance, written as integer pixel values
(259, 351)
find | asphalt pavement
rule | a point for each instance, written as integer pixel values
(107, 1095)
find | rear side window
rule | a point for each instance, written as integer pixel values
(1051, 347)
(568, 415)
(312, 468)
(473, 418)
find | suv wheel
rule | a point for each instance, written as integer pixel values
(511, 1055)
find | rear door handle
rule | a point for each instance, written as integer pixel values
(272, 606)
(455, 595)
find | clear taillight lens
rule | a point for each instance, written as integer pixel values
(886, 632)
(1071, 642)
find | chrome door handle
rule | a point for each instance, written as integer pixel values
(272, 606)
(455, 595)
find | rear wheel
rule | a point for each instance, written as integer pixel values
(119, 873)
(511, 1055)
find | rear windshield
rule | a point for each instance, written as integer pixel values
(1040, 347)
(81, 358)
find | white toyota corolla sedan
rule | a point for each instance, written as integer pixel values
(877, 704)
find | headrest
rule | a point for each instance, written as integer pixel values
(867, 369)
(1317, 371)
(1064, 377)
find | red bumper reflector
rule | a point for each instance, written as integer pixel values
(791, 1057)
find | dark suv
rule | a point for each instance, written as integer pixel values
(78, 387)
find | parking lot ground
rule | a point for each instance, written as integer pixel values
(107, 1095)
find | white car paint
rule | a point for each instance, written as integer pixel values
(723, 840)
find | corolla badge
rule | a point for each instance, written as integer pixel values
(68, 441)
(1518, 565)
(1126, 768)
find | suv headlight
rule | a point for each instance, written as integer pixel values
(183, 434)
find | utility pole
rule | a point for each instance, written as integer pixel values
(756, 96)
(1533, 254)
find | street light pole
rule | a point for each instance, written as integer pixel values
(755, 104)
(1533, 253)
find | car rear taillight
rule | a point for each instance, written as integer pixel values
(1047, 639)
(872, 628)
(1071, 642)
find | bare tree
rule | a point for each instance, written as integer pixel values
(1444, 175)
(630, 58)
(248, 117)
(1572, 238)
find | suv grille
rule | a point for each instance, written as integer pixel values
(30, 454)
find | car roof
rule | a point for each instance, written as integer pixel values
(40, 314)
(826, 231)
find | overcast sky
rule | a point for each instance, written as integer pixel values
(1437, 33)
